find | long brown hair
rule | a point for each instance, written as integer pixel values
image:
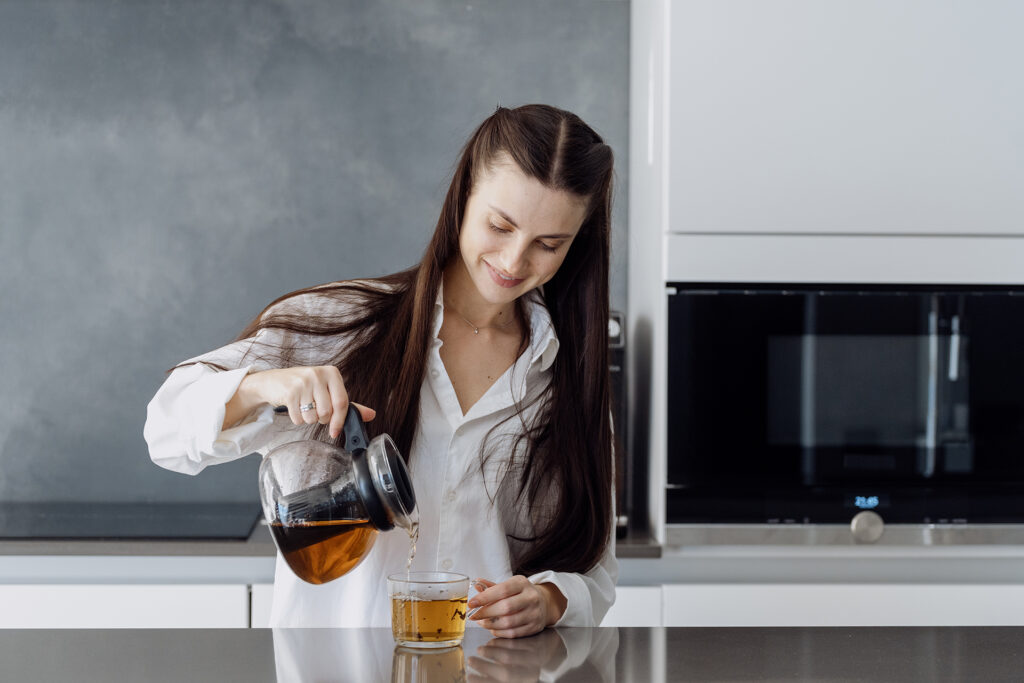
(570, 444)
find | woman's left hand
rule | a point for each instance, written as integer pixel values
(516, 608)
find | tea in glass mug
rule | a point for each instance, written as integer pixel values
(428, 609)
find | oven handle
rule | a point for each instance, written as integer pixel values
(954, 349)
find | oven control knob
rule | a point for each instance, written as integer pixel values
(867, 527)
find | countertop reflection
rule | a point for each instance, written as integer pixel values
(628, 655)
(570, 654)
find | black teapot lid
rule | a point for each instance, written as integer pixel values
(382, 480)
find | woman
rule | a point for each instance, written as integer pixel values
(488, 365)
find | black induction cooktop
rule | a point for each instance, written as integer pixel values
(140, 521)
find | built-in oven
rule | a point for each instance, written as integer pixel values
(844, 413)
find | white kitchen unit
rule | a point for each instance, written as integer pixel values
(759, 604)
(636, 606)
(261, 596)
(847, 116)
(123, 606)
(799, 141)
(854, 141)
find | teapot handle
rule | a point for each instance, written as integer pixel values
(355, 430)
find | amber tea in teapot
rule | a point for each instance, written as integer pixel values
(325, 505)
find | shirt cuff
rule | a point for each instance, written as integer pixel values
(206, 402)
(578, 610)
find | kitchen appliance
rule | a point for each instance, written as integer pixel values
(325, 504)
(845, 413)
(134, 521)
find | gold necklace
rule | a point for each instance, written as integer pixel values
(476, 329)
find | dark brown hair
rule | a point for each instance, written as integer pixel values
(569, 446)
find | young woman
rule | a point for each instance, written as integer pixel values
(487, 363)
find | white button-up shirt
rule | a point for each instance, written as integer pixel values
(465, 514)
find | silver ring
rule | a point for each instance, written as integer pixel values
(308, 407)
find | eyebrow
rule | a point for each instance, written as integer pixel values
(516, 225)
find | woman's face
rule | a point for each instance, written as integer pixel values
(516, 232)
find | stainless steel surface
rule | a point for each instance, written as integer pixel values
(647, 655)
(867, 527)
(680, 535)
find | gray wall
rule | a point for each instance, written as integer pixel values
(168, 168)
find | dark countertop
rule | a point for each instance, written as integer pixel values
(649, 655)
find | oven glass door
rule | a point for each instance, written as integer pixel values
(810, 403)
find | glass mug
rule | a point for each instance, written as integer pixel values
(428, 609)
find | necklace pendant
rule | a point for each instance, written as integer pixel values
(476, 330)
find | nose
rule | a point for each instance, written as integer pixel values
(513, 258)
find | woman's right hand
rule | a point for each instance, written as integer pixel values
(295, 387)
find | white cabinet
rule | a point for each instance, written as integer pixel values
(635, 606)
(844, 259)
(847, 116)
(261, 596)
(124, 606)
(843, 605)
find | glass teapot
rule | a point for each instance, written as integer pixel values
(325, 504)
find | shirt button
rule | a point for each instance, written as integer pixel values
(447, 564)
(450, 497)
(435, 374)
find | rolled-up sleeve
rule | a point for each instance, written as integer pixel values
(184, 419)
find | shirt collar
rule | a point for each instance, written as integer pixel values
(543, 340)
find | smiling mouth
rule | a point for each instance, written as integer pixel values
(500, 279)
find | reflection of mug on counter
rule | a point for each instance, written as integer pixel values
(424, 665)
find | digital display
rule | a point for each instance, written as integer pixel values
(867, 500)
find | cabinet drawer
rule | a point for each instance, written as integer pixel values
(635, 606)
(843, 605)
(124, 606)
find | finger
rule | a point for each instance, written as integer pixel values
(493, 591)
(511, 619)
(339, 402)
(502, 608)
(308, 414)
(293, 412)
(493, 649)
(489, 671)
(324, 407)
(519, 632)
(507, 652)
(366, 413)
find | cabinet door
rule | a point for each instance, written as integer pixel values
(261, 595)
(848, 116)
(843, 605)
(635, 606)
(124, 606)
